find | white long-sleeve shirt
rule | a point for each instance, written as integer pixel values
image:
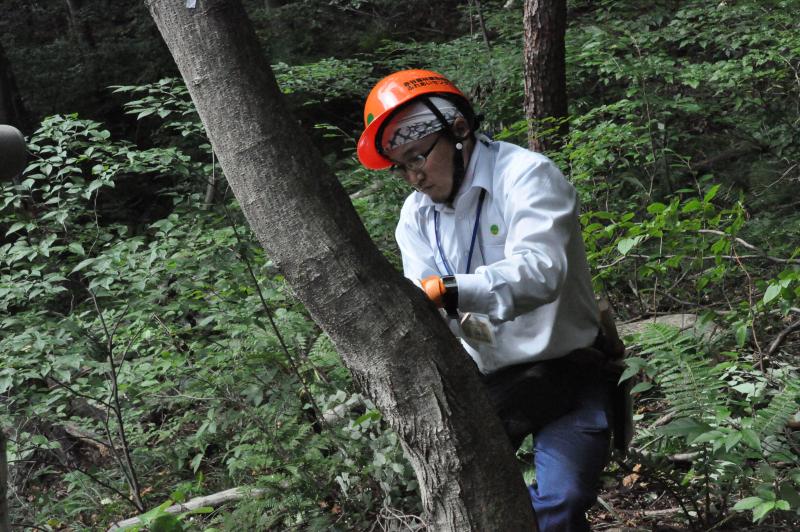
(529, 272)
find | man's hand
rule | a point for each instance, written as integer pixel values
(443, 291)
(434, 289)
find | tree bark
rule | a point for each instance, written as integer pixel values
(213, 500)
(80, 28)
(5, 519)
(545, 23)
(12, 111)
(397, 349)
(481, 23)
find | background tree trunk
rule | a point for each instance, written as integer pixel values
(80, 28)
(400, 354)
(12, 111)
(5, 522)
(545, 76)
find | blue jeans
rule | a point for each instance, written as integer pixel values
(570, 453)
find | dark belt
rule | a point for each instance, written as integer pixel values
(528, 396)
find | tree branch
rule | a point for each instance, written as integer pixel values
(711, 257)
(781, 337)
(216, 499)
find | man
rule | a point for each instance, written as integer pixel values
(492, 236)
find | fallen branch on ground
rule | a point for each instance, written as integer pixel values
(371, 189)
(781, 337)
(709, 257)
(684, 458)
(213, 500)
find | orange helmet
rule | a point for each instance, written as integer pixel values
(388, 95)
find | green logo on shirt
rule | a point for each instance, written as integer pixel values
(494, 229)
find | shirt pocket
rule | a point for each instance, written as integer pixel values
(493, 227)
(493, 235)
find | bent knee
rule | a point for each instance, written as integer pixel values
(577, 498)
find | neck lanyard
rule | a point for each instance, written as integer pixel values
(447, 267)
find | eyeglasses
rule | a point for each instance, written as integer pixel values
(415, 164)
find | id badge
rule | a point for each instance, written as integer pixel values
(478, 328)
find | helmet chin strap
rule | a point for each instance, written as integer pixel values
(458, 154)
(458, 170)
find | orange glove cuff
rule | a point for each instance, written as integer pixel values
(434, 289)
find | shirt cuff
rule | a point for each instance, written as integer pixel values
(474, 293)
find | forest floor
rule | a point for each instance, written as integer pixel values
(630, 502)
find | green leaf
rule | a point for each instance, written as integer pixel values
(741, 334)
(711, 193)
(166, 523)
(82, 264)
(747, 504)
(691, 206)
(200, 510)
(762, 510)
(5, 382)
(153, 514)
(686, 427)
(732, 440)
(782, 505)
(629, 372)
(94, 185)
(747, 388)
(77, 248)
(372, 415)
(750, 437)
(641, 387)
(195, 463)
(626, 244)
(772, 292)
(15, 227)
(711, 435)
(789, 493)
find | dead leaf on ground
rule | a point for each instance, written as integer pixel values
(630, 480)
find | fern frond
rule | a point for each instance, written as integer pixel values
(773, 418)
(688, 377)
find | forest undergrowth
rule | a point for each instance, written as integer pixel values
(154, 354)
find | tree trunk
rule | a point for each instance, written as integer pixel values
(545, 73)
(5, 519)
(397, 349)
(12, 111)
(80, 28)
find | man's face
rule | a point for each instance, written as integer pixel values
(435, 176)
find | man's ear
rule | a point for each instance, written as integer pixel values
(460, 128)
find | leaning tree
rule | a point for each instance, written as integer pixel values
(390, 338)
